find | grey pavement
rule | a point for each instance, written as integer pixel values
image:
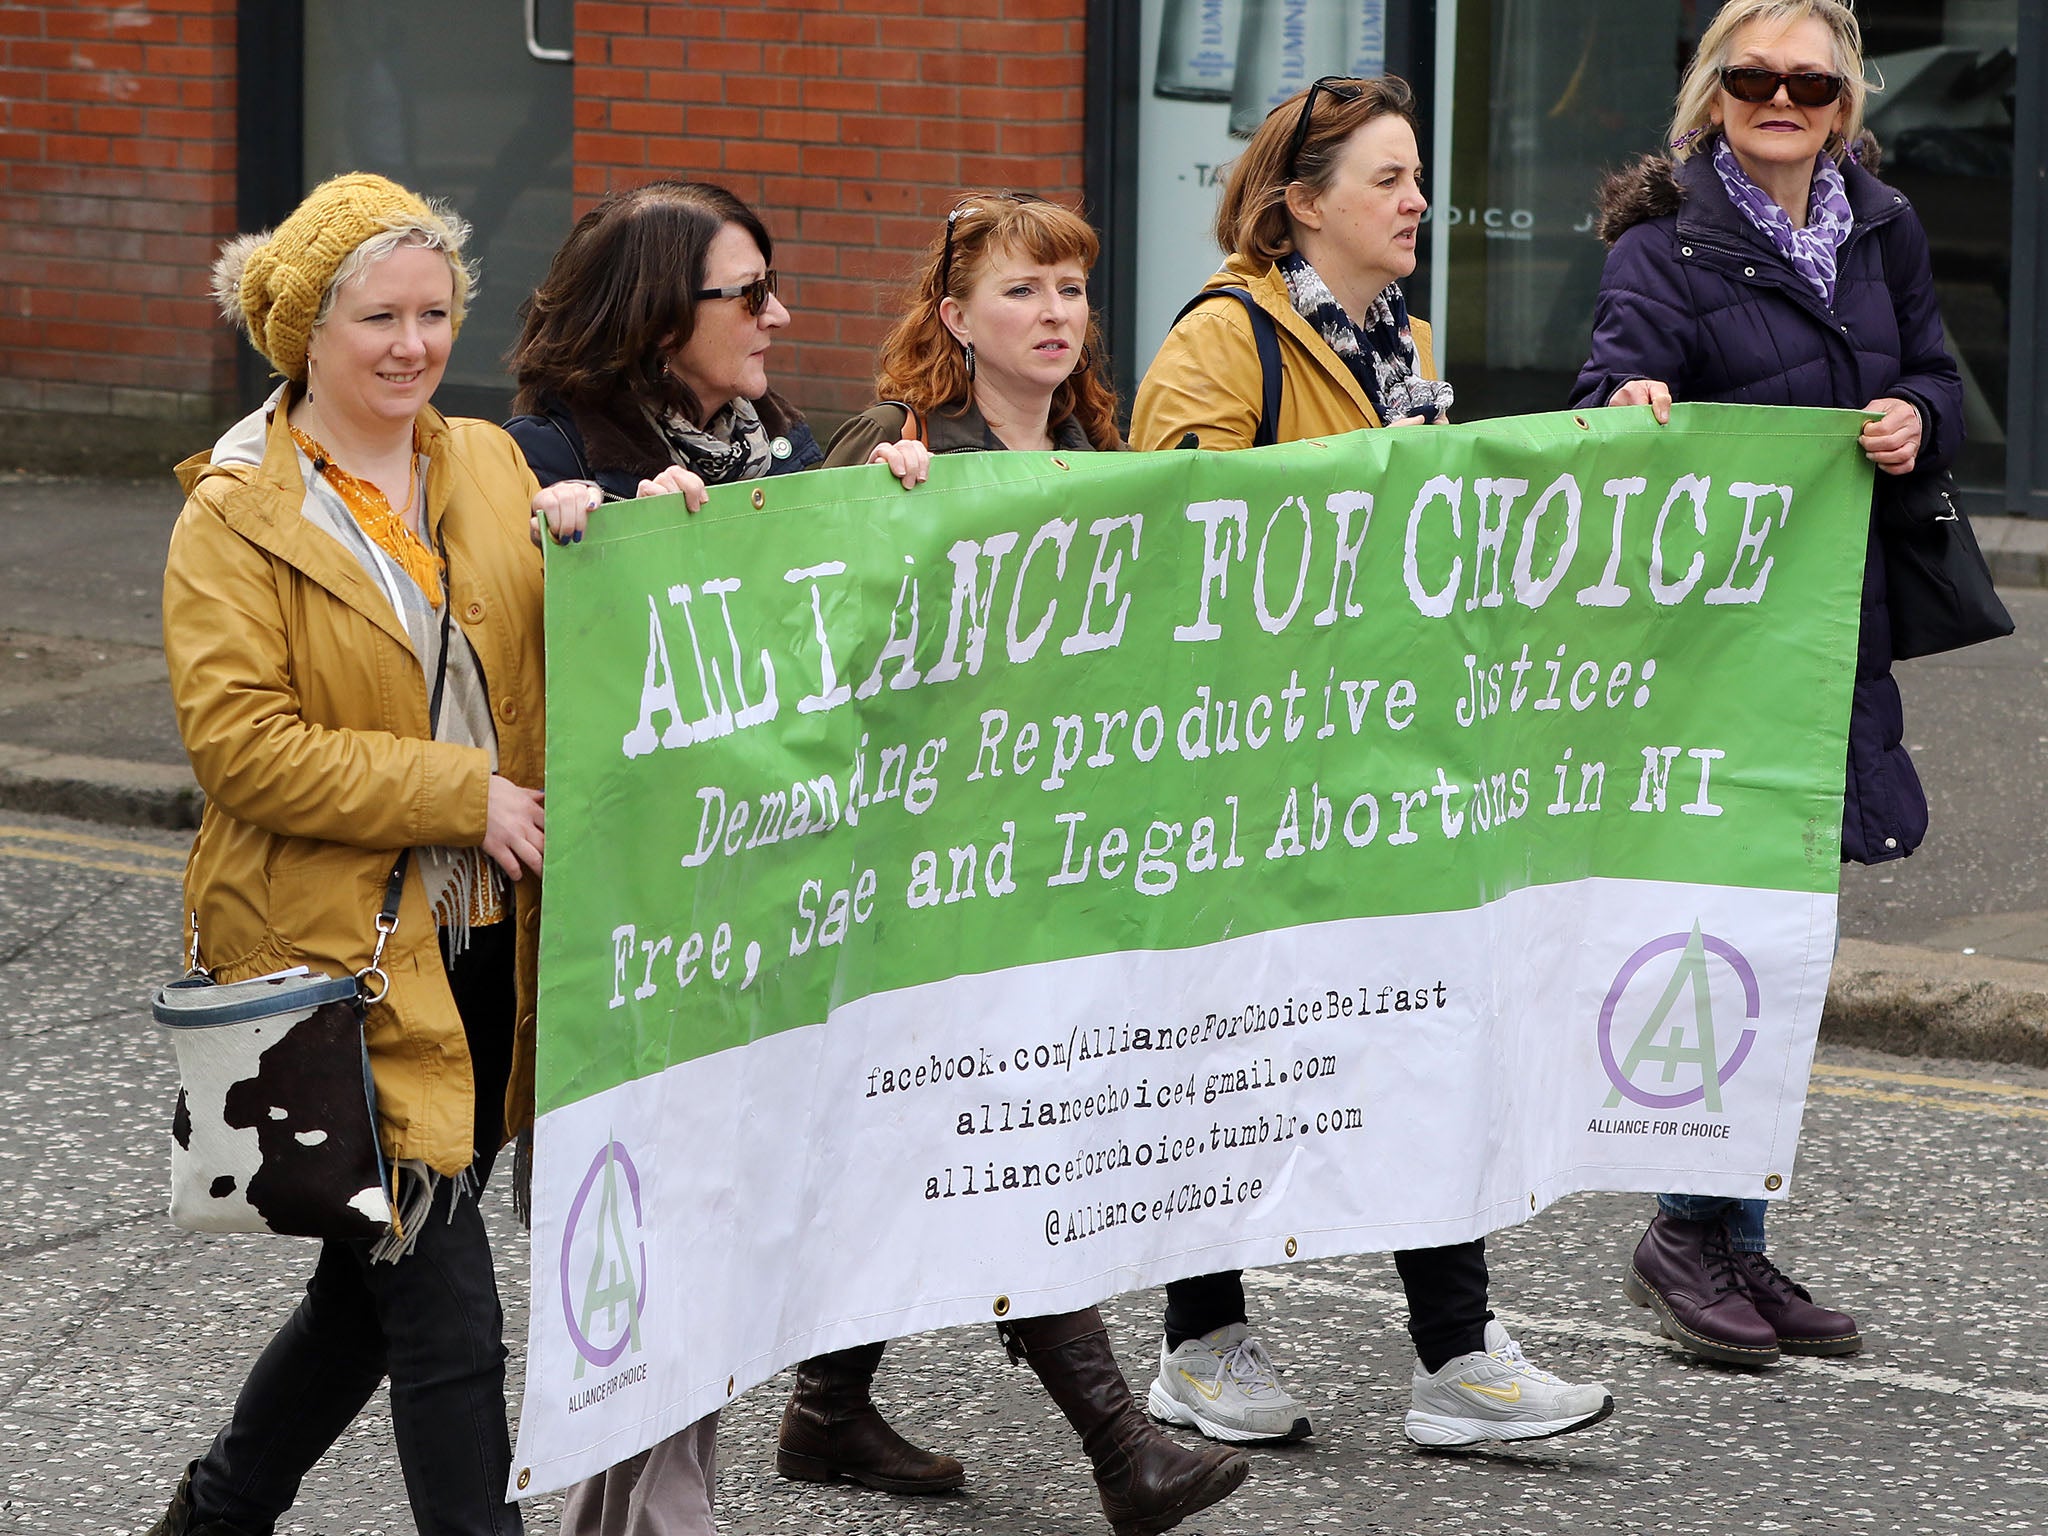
(1920, 1205)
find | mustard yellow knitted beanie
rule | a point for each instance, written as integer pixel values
(273, 283)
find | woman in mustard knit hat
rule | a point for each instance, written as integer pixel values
(352, 618)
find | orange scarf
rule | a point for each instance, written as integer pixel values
(373, 513)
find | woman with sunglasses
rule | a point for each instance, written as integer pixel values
(1000, 350)
(1761, 263)
(1319, 220)
(641, 364)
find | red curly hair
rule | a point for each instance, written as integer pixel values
(922, 365)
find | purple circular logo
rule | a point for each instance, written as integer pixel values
(1684, 1040)
(608, 1294)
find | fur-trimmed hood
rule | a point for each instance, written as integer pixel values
(1652, 187)
(1637, 193)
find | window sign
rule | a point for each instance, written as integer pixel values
(1209, 72)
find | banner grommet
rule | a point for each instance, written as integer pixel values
(1002, 1306)
(1292, 1247)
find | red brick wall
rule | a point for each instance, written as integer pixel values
(850, 124)
(116, 183)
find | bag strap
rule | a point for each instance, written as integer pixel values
(575, 452)
(913, 423)
(394, 887)
(1266, 338)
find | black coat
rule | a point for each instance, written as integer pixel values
(1696, 296)
(618, 447)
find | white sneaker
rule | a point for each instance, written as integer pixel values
(1224, 1385)
(1499, 1395)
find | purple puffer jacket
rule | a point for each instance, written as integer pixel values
(1694, 295)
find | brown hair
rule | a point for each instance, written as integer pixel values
(923, 366)
(1252, 219)
(620, 295)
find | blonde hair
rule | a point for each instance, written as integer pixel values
(1692, 114)
(280, 285)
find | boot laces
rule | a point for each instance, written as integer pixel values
(1718, 1259)
(1762, 1270)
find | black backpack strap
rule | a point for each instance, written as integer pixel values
(1266, 337)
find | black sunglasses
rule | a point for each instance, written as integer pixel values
(754, 295)
(1810, 88)
(1339, 88)
(971, 206)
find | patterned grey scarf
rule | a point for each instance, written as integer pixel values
(732, 445)
(1379, 350)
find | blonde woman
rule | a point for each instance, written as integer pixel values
(327, 540)
(1760, 262)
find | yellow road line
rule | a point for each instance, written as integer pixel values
(83, 840)
(1929, 1101)
(51, 856)
(1921, 1080)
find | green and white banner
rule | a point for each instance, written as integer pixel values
(1084, 871)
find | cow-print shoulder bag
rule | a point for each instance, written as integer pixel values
(275, 1127)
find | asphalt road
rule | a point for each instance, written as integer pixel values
(1921, 1206)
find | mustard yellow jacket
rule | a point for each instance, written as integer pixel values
(1206, 377)
(304, 711)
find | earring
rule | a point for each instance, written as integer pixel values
(1087, 363)
(970, 362)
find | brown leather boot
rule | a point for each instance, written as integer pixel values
(1147, 1482)
(1685, 1272)
(1802, 1325)
(832, 1429)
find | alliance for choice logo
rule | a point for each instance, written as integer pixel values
(1675, 1002)
(604, 1262)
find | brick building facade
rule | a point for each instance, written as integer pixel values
(851, 139)
(136, 134)
(850, 123)
(117, 181)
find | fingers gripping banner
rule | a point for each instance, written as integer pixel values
(1085, 871)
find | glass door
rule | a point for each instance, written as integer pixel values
(467, 100)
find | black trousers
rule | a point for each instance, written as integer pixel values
(1447, 1314)
(431, 1322)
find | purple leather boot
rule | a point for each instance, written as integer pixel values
(1687, 1274)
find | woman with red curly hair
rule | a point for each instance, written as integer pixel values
(999, 350)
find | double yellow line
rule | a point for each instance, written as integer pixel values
(1958, 1095)
(149, 860)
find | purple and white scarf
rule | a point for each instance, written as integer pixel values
(1811, 250)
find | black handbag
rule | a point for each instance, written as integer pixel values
(1937, 584)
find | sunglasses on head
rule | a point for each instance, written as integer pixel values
(1810, 88)
(1339, 88)
(971, 206)
(754, 295)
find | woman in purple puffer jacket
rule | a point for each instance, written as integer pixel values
(1761, 263)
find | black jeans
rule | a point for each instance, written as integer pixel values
(431, 1322)
(1446, 1288)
